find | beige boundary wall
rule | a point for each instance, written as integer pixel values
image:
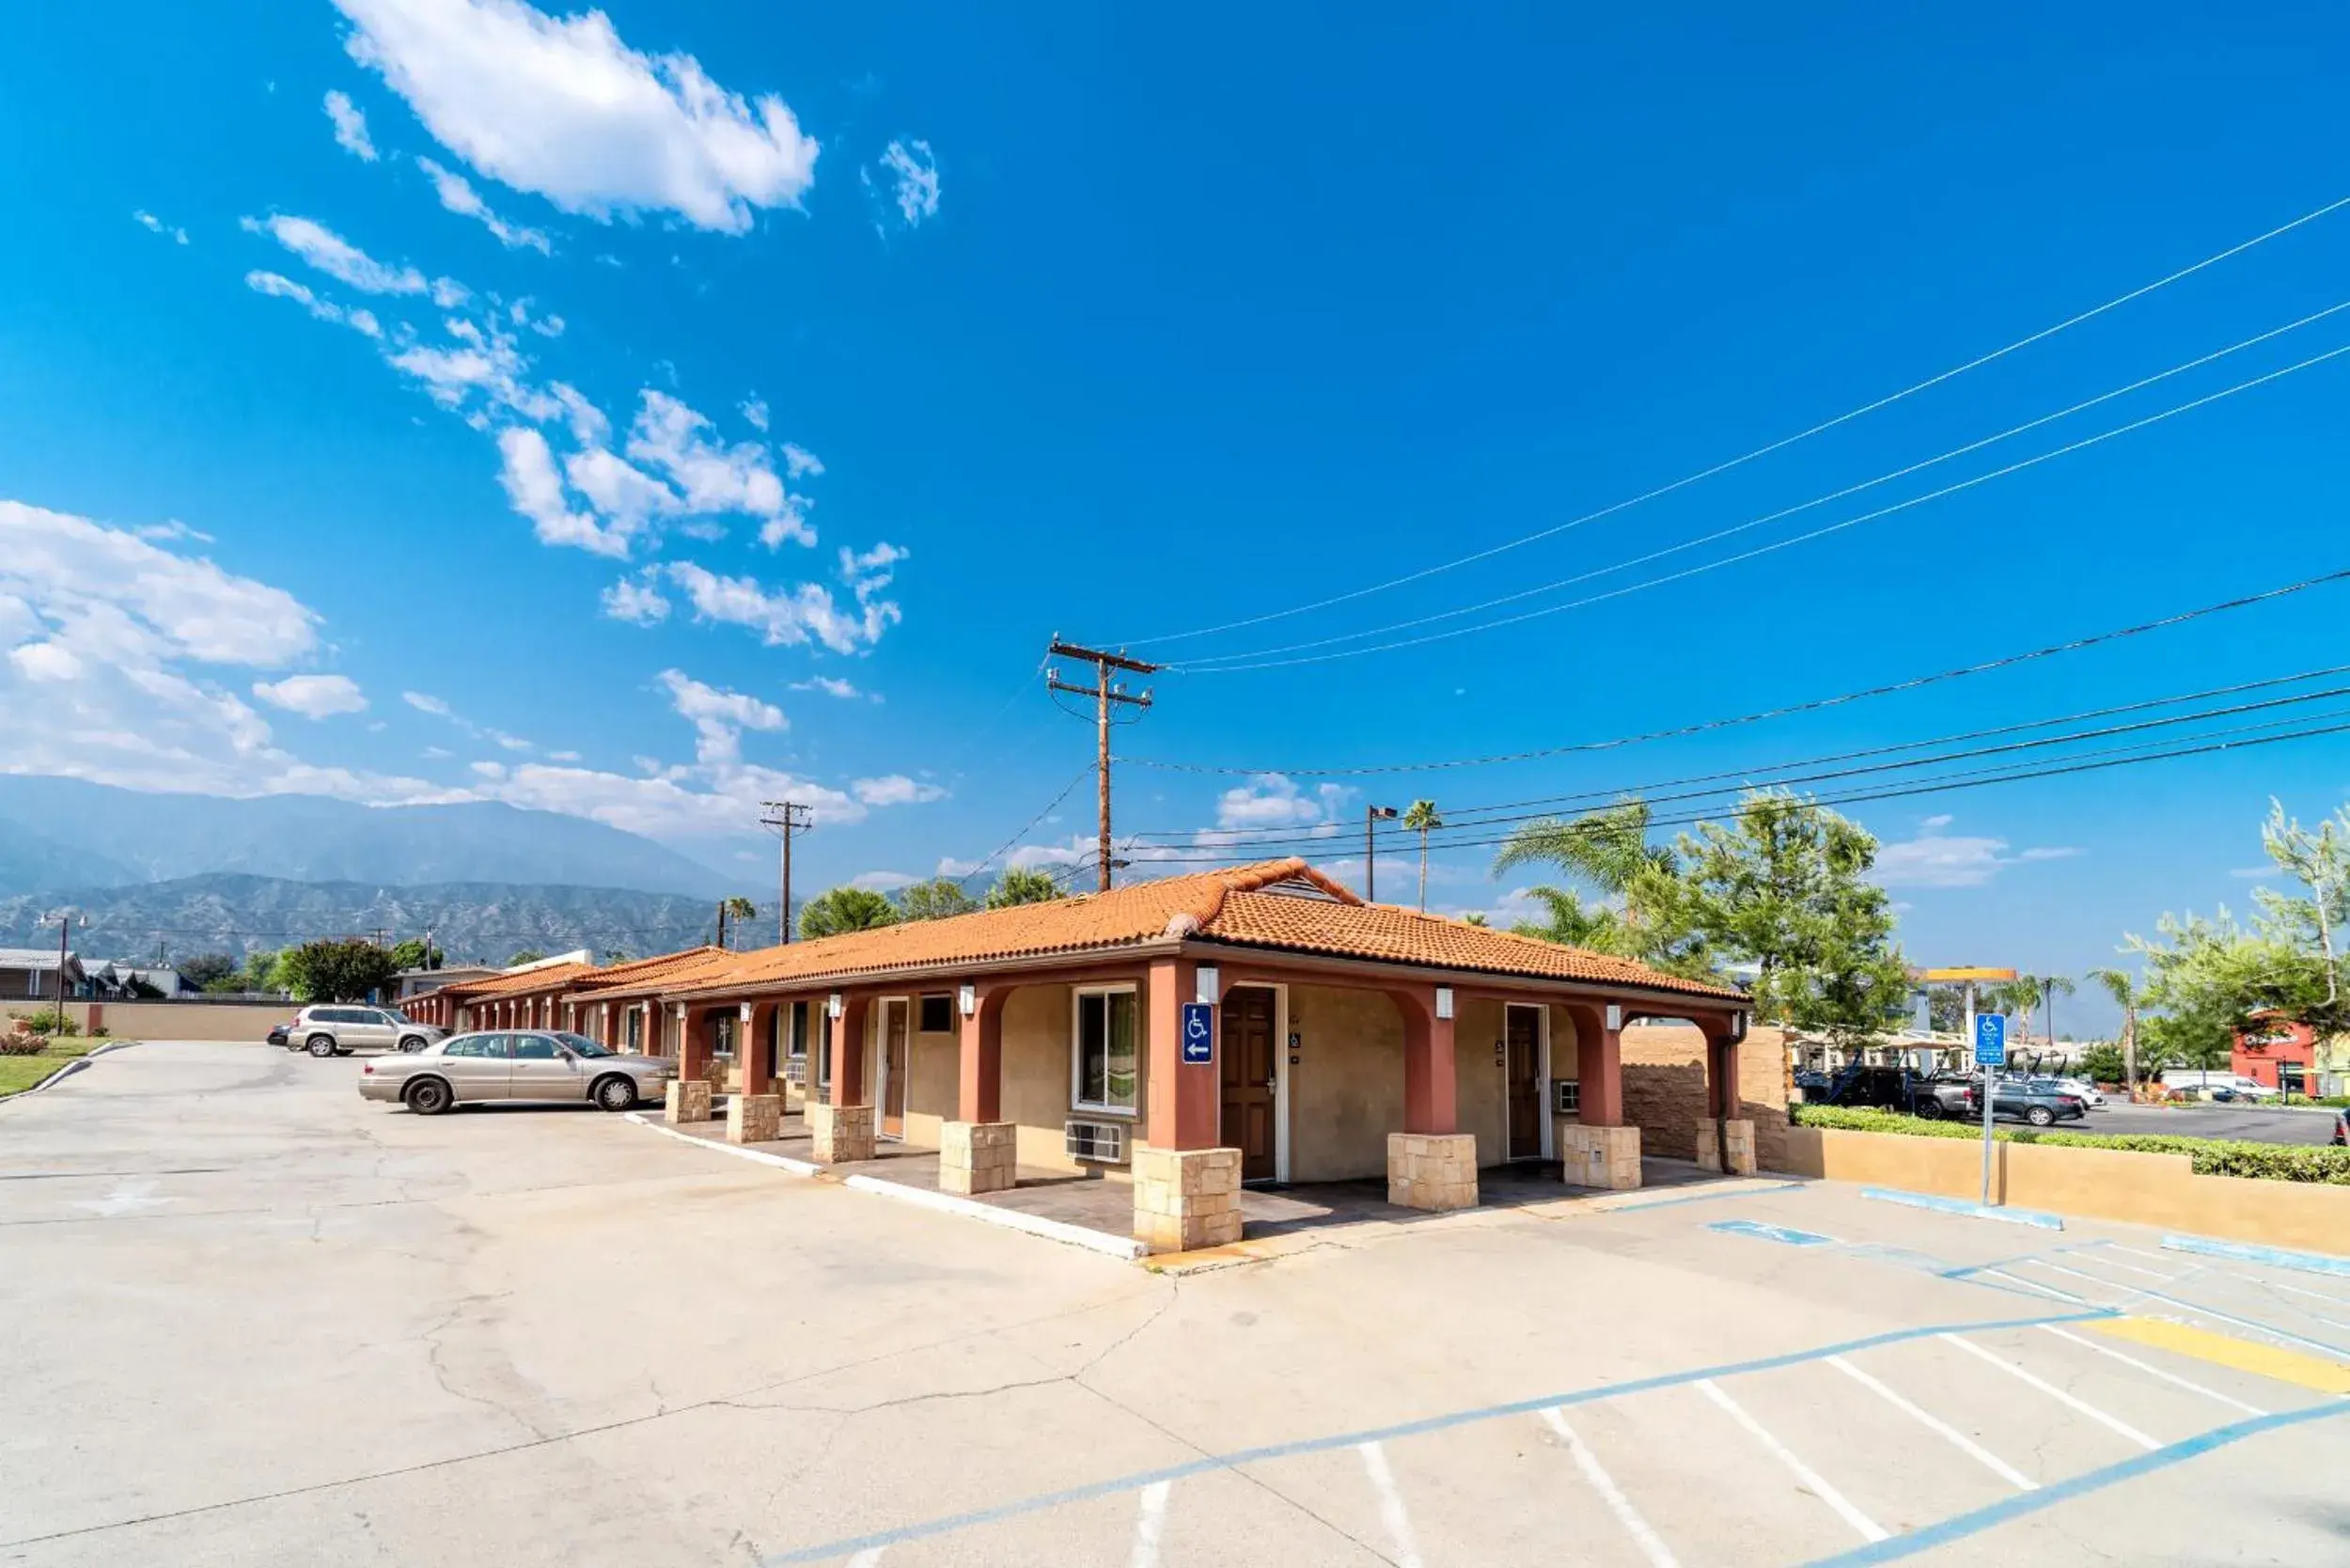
(2094, 1183)
(247, 1021)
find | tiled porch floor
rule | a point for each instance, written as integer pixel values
(1108, 1206)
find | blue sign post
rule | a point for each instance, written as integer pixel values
(1199, 1035)
(1990, 1055)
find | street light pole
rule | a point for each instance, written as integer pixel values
(1373, 817)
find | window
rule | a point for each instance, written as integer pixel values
(470, 1045)
(824, 1053)
(798, 1025)
(792, 1020)
(635, 1030)
(722, 1038)
(535, 1047)
(938, 1014)
(1106, 1066)
(1569, 1096)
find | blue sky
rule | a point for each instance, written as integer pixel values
(648, 414)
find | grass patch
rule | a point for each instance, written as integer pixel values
(2268, 1162)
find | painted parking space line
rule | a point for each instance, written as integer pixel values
(2070, 1401)
(2071, 1273)
(1786, 1235)
(1644, 1535)
(1966, 1207)
(2270, 1257)
(2036, 1286)
(2324, 1375)
(1810, 1478)
(2196, 1308)
(2134, 1252)
(1935, 1424)
(2099, 1250)
(1392, 1514)
(1149, 1525)
(2154, 1372)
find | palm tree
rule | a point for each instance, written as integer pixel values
(2129, 995)
(737, 908)
(1608, 848)
(1574, 924)
(1419, 819)
(2051, 987)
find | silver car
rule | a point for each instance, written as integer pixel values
(347, 1026)
(514, 1064)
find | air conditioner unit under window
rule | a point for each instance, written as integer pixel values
(1103, 1142)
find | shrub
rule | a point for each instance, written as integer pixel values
(55, 1021)
(23, 1044)
(2268, 1162)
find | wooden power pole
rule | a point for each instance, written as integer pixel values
(1104, 696)
(789, 817)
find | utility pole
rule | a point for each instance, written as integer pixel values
(722, 925)
(1373, 817)
(65, 919)
(790, 818)
(1103, 694)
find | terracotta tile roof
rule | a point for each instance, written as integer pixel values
(521, 983)
(1283, 904)
(650, 973)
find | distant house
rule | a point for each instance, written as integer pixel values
(417, 983)
(114, 983)
(30, 974)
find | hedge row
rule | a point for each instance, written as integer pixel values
(2270, 1162)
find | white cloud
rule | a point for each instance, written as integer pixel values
(278, 286)
(425, 704)
(755, 410)
(458, 194)
(799, 462)
(894, 790)
(718, 717)
(315, 696)
(828, 685)
(785, 616)
(1949, 860)
(883, 882)
(160, 533)
(564, 108)
(154, 225)
(711, 478)
(562, 756)
(351, 126)
(1274, 800)
(913, 177)
(1932, 824)
(536, 491)
(549, 325)
(637, 600)
(336, 257)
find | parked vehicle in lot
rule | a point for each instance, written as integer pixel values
(2036, 1100)
(338, 1030)
(2214, 1086)
(282, 1034)
(1894, 1089)
(2092, 1096)
(514, 1064)
(2341, 1129)
(1948, 1095)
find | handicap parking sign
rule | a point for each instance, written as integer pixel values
(1198, 1034)
(1990, 1039)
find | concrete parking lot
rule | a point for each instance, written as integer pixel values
(252, 1320)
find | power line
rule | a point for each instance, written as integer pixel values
(1780, 444)
(1255, 661)
(1076, 780)
(1106, 696)
(1786, 711)
(1785, 512)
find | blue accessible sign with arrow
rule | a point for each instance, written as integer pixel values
(1199, 1035)
(1990, 1039)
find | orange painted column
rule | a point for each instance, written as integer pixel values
(1431, 1087)
(846, 1042)
(1721, 1075)
(755, 1048)
(693, 1050)
(1599, 1066)
(1186, 1103)
(980, 1091)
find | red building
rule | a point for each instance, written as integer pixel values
(2282, 1054)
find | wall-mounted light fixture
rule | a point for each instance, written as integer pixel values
(833, 1008)
(1615, 1018)
(1444, 1001)
(967, 998)
(1737, 1026)
(1209, 986)
(745, 1012)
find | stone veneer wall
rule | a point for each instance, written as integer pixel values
(1663, 1089)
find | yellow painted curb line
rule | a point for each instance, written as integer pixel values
(2284, 1366)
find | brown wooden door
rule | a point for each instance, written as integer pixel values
(1245, 1060)
(1526, 1090)
(893, 1110)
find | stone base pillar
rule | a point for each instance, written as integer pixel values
(840, 1133)
(1431, 1170)
(1740, 1132)
(1600, 1156)
(977, 1156)
(1186, 1199)
(754, 1117)
(689, 1101)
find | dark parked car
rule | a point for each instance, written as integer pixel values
(283, 1033)
(2036, 1102)
(1893, 1089)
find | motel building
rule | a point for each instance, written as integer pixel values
(1328, 1039)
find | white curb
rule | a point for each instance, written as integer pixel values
(987, 1214)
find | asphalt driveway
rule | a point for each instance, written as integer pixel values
(255, 1321)
(2262, 1124)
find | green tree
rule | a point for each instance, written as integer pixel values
(343, 970)
(528, 955)
(202, 970)
(414, 954)
(839, 909)
(1575, 924)
(732, 912)
(2130, 997)
(1608, 850)
(1020, 884)
(2204, 978)
(935, 900)
(1421, 818)
(2310, 922)
(1642, 908)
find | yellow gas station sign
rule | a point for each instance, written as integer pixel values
(1963, 974)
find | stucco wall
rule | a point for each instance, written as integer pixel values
(1036, 1030)
(933, 1083)
(230, 1021)
(1480, 1077)
(1346, 1093)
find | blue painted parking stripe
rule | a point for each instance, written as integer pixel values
(2307, 1262)
(1961, 1206)
(1420, 1427)
(1771, 1233)
(2007, 1510)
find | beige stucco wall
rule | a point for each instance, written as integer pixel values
(2100, 1183)
(1480, 1077)
(934, 1081)
(1346, 1093)
(228, 1021)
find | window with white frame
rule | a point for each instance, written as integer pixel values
(1106, 1068)
(824, 1028)
(795, 1043)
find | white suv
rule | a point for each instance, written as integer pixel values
(340, 1029)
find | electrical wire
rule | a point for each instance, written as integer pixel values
(1761, 451)
(1686, 572)
(1050, 807)
(1814, 705)
(1785, 512)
